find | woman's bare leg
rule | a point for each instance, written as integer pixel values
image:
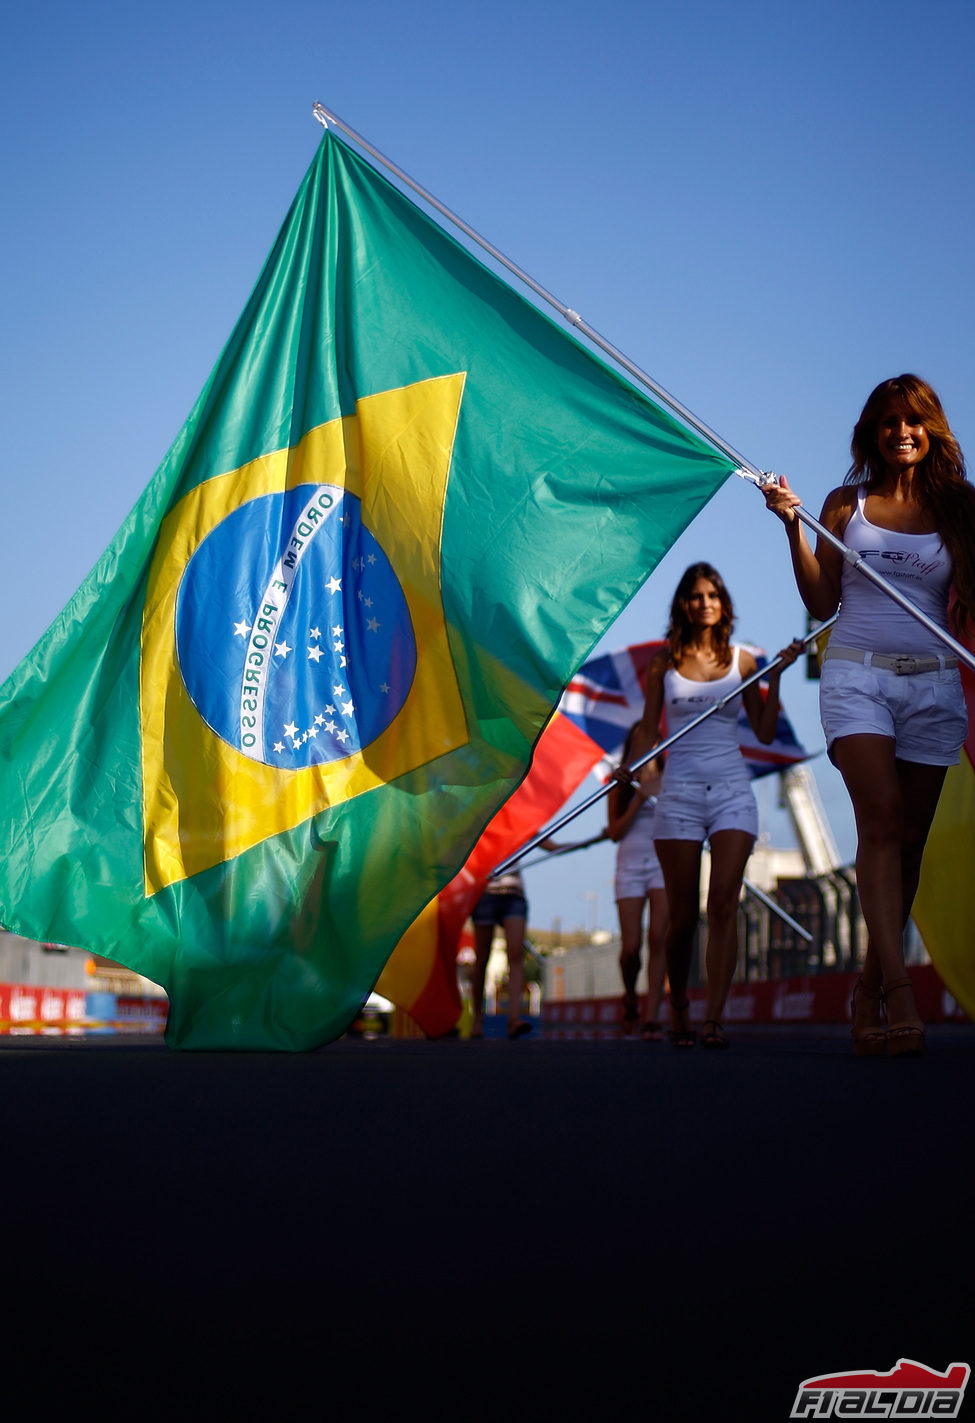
(656, 955)
(730, 850)
(631, 928)
(893, 803)
(920, 792)
(680, 861)
(514, 932)
(483, 938)
(630, 910)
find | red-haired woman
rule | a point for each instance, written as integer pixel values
(890, 696)
(706, 791)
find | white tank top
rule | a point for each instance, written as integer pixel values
(918, 565)
(710, 752)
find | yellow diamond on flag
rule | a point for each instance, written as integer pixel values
(294, 650)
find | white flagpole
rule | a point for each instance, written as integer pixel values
(566, 850)
(325, 117)
(746, 469)
(770, 903)
(657, 750)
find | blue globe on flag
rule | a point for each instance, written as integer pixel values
(297, 650)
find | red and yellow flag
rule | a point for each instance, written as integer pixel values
(421, 975)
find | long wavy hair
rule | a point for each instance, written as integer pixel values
(680, 631)
(940, 480)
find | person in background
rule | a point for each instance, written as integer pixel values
(706, 792)
(502, 903)
(639, 882)
(890, 698)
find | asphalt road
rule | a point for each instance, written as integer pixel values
(684, 1234)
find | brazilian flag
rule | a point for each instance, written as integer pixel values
(314, 662)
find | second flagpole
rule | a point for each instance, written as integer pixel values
(656, 751)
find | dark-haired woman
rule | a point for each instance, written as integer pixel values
(706, 792)
(890, 697)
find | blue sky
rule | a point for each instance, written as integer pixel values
(767, 208)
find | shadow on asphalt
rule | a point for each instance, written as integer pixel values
(687, 1233)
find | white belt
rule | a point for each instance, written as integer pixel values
(902, 663)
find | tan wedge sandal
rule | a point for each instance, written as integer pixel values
(903, 1039)
(869, 1040)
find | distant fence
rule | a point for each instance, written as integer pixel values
(826, 906)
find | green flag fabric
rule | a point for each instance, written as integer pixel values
(272, 723)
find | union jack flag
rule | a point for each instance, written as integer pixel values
(605, 698)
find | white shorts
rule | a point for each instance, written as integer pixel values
(637, 867)
(924, 713)
(695, 810)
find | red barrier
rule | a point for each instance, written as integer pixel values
(141, 1015)
(30, 1009)
(26, 1009)
(817, 998)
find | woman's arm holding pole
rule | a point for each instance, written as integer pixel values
(818, 574)
(653, 753)
(763, 712)
(850, 556)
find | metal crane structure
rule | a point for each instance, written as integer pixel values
(799, 797)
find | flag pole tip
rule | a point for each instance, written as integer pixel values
(319, 113)
(763, 478)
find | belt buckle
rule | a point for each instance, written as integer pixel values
(904, 666)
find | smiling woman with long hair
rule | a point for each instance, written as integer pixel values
(705, 793)
(890, 697)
